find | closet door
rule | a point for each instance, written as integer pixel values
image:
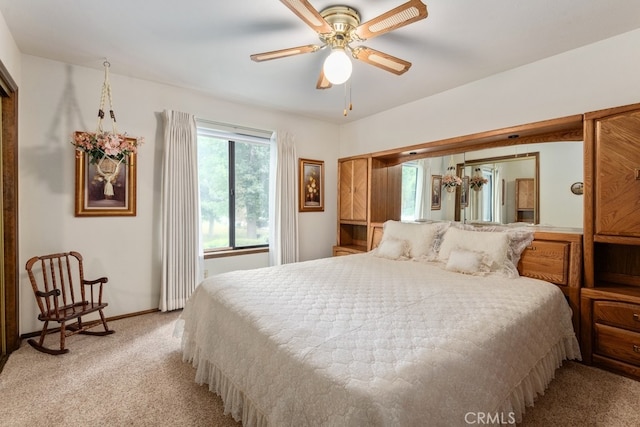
(617, 175)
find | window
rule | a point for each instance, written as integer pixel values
(409, 191)
(233, 174)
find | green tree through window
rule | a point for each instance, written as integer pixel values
(233, 175)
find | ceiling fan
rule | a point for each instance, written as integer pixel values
(337, 27)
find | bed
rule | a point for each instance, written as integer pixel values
(398, 336)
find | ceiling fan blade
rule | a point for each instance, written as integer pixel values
(276, 54)
(323, 83)
(411, 11)
(381, 60)
(309, 15)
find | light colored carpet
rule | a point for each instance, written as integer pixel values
(136, 377)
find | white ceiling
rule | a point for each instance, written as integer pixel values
(205, 45)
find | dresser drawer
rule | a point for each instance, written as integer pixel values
(546, 260)
(619, 314)
(346, 250)
(617, 343)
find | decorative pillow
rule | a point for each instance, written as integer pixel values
(468, 262)
(519, 239)
(392, 249)
(494, 245)
(419, 236)
(491, 240)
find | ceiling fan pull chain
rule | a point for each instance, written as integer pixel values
(348, 83)
(345, 100)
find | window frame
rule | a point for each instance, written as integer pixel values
(233, 135)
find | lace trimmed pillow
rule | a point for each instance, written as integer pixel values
(468, 262)
(520, 238)
(494, 245)
(503, 248)
(420, 237)
(392, 249)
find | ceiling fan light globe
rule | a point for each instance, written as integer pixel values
(337, 67)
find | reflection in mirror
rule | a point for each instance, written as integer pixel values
(559, 166)
(422, 202)
(500, 190)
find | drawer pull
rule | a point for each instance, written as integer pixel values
(636, 348)
(636, 316)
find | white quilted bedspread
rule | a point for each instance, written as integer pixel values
(361, 341)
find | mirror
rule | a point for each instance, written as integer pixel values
(559, 165)
(500, 190)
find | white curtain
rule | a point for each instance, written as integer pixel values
(283, 230)
(423, 190)
(181, 249)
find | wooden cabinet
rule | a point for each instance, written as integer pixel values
(611, 328)
(556, 257)
(352, 238)
(617, 174)
(353, 202)
(525, 200)
(611, 297)
(353, 178)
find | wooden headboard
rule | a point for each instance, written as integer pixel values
(375, 235)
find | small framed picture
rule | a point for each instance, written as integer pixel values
(436, 192)
(311, 195)
(464, 192)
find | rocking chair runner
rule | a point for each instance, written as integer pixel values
(60, 300)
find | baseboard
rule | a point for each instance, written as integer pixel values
(92, 322)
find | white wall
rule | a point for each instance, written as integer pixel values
(597, 76)
(55, 100)
(9, 52)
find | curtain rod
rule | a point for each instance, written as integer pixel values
(237, 127)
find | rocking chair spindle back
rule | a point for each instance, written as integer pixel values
(61, 293)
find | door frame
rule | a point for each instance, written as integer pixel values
(9, 220)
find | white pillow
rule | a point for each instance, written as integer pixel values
(468, 262)
(392, 249)
(519, 239)
(419, 236)
(494, 244)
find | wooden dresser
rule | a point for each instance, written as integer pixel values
(611, 322)
(610, 303)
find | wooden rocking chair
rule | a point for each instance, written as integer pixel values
(61, 300)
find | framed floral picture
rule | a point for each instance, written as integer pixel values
(106, 187)
(436, 192)
(311, 196)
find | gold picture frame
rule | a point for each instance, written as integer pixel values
(91, 180)
(311, 185)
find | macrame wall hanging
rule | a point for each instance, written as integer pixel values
(451, 181)
(109, 153)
